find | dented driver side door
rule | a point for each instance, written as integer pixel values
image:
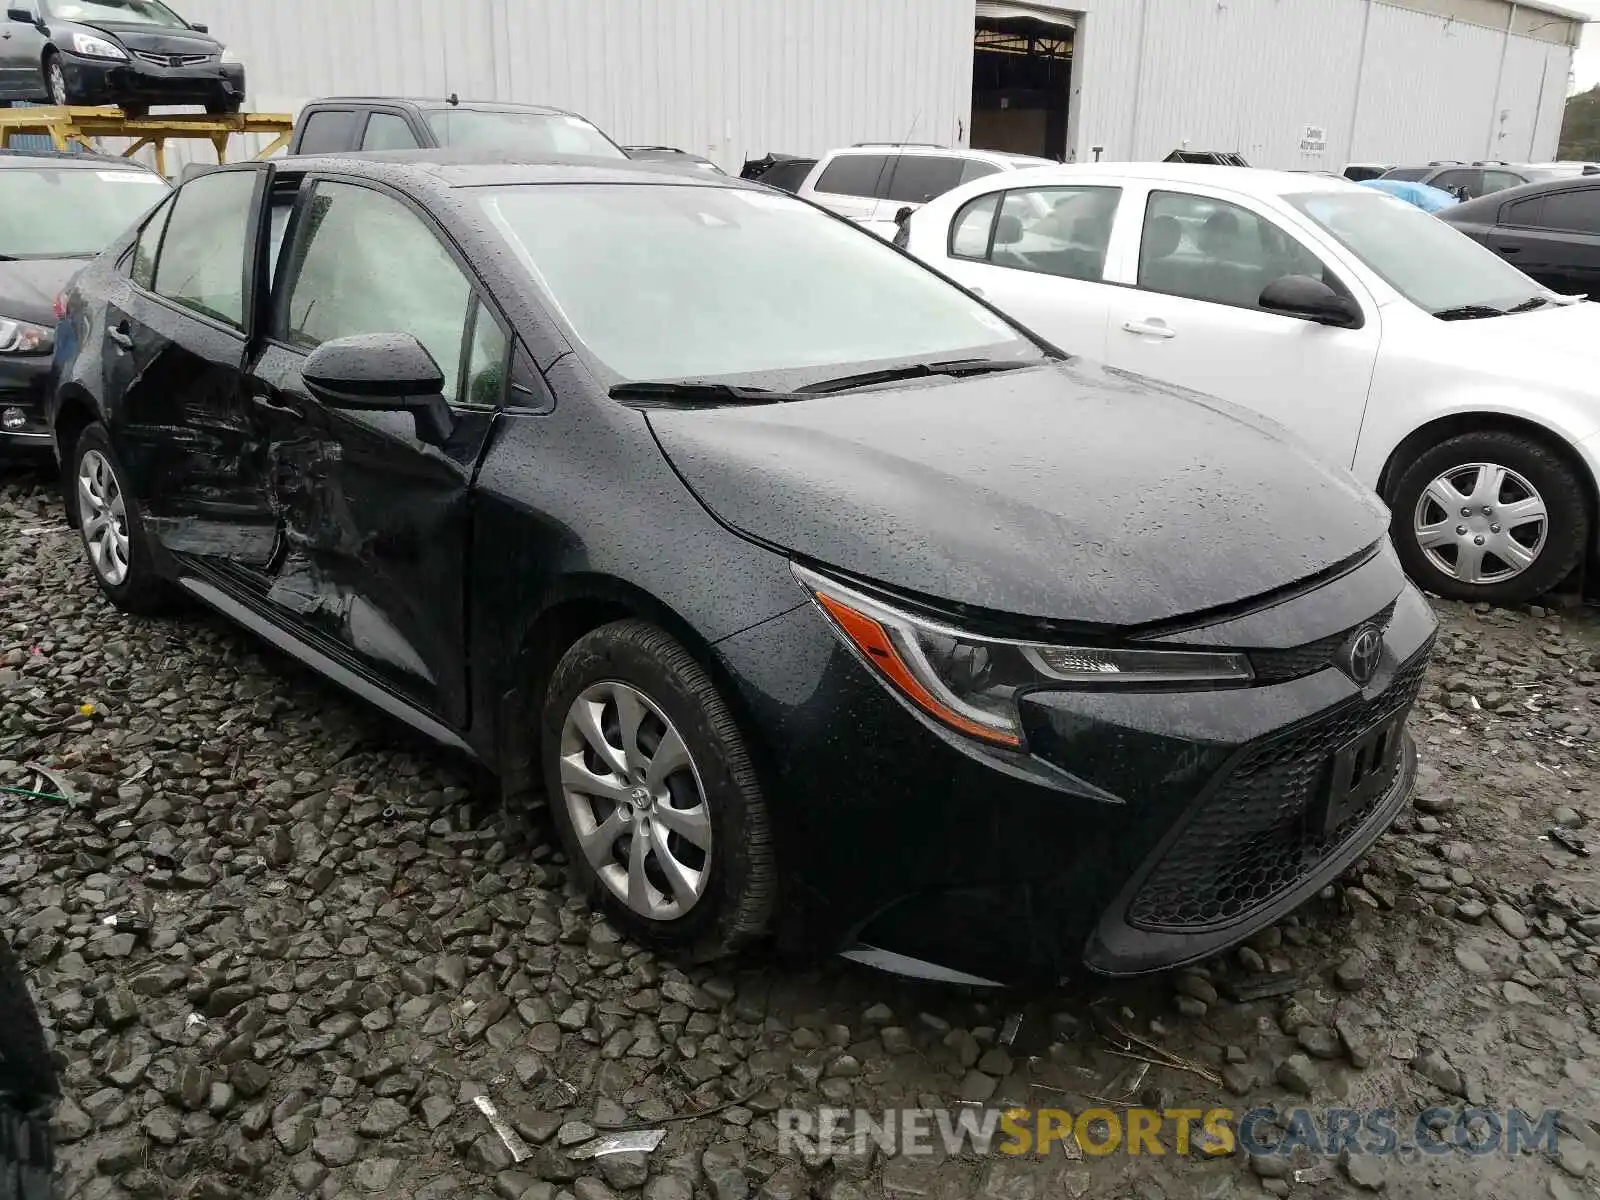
(374, 512)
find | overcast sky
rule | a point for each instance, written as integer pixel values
(1586, 62)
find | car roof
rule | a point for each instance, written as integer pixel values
(937, 151)
(57, 158)
(1491, 203)
(447, 169)
(426, 102)
(1253, 180)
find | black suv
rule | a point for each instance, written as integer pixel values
(346, 124)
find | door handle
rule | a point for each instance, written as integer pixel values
(120, 336)
(1509, 249)
(260, 400)
(1155, 329)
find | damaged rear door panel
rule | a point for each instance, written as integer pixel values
(373, 511)
(175, 349)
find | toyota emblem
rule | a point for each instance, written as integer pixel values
(1362, 654)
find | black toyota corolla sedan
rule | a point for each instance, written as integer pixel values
(843, 611)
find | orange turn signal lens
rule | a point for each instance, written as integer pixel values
(873, 641)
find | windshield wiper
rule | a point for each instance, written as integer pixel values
(701, 393)
(1529, 304)
(953, 366)
(1469, 312)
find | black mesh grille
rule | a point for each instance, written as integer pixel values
(1253, 836)
(1276, 666)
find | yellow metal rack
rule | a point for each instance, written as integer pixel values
(63, 126)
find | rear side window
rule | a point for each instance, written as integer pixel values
(1056, 231)
(918, 178)
(787, 176)
(328, 131)
(203, 254)
(144, 253)
(1406, 174)
(1527, 213)
(386, 131)
(976, 168)
(1498, 181)
(855, 175)
(1572, 212)
(371, 265)
(1469, 179)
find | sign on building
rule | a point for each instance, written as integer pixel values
(1314, 140)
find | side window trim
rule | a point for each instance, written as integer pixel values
(130, 261)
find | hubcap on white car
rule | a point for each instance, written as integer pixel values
(104, 516)
(1481, 523)
(635, 799)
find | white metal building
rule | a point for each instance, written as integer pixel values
(1287, 83)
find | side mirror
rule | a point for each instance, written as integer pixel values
(1008, 230)
(904, 215)
(22, 16)
(198, 28)
(1310, 300)
(382, 372)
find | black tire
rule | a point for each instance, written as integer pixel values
(737, 903)
(50, 65)
(135, 112)
(218, 108)
(141, 590)
(28, 1088)
(1566, 506)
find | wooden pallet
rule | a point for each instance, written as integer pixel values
(80, 124)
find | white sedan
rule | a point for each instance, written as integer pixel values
(1461, 391)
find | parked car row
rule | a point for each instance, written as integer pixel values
(726, 569)
(663, 545)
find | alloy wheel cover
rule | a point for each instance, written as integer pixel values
(634, 795)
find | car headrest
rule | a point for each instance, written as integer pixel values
(1161, 237)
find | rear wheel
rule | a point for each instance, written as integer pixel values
(1491, 516)
(114, 537)
(653, 793)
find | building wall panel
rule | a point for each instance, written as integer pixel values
(724, 78)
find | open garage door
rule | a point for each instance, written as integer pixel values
(1022, 78)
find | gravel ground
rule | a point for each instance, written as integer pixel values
(281, 946)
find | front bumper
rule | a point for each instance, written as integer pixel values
(24, 386)
(100, 81)
(900, 840)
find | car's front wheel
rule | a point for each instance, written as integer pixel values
(114, 537)
(55, 80)
(654, 795)
(1492, 516)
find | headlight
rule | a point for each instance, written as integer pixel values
(971, 683)
(19, 337)
(93, 47)
(228, 56)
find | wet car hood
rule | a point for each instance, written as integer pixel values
(28, 289)
(1071, 492)
(156, 39)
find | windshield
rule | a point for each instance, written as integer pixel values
(1423, 258)
(679, 282)
(131, 12)
(527, 133)
(71, 212)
